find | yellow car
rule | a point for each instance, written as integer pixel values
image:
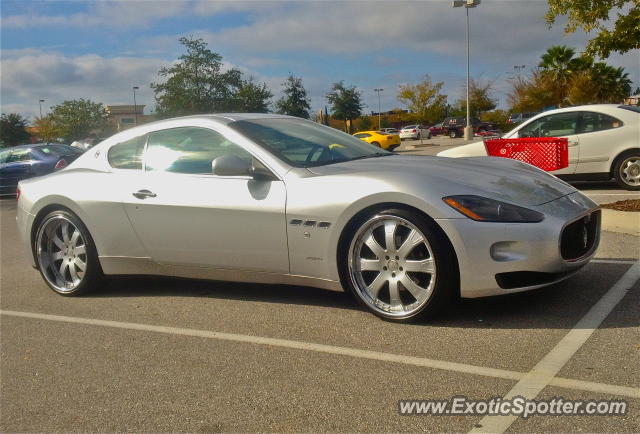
(379, 139)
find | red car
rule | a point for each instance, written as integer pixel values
(437, 129)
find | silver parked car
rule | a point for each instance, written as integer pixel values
(277, 199)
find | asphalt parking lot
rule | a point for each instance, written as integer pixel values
(151, 354)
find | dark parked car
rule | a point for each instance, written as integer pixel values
(26, 161)
(454, 127)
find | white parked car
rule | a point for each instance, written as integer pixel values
(604, 142)
(415, 132)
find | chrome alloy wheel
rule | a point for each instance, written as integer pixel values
(62, 253)
(392, 266)
(630, 171)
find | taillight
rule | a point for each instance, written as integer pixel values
(413, 131)
(60, 164)
(17, 193)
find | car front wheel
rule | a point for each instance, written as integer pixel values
(453, 134)
(400, 266)
(626, 171)
(65, 253)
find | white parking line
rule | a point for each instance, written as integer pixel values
(330, 349)
(613, 261)
(611, 194)
(544, 372)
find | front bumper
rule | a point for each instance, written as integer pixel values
(503, 258)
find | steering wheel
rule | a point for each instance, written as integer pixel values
(325, 154)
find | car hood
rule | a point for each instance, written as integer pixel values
(497, 178)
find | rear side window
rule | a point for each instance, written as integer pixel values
(127, 155)
(592, 122)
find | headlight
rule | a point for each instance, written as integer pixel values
(488, 210)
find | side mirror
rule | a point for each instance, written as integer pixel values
(230, 165)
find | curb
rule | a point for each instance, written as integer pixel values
(625, 222)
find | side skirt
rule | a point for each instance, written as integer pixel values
(114, 265)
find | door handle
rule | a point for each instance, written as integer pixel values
(143, 194)
(573, 143)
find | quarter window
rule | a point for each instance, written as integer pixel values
(188, 150)
(127, 155)
(592, 122)
(556, 125)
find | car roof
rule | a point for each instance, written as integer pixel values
(368, 132)
(599, 107)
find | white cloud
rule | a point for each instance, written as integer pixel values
(55, 77)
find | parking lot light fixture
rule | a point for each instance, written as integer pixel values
(40, 102)
(468, 4)
(378, 91)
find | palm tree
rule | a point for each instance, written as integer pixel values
(558, 64)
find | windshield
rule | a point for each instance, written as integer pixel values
(303, 143)
(630, 108)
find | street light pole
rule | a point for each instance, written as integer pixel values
(379, 122)
(468, 4)
(135, 105)
(40, 102)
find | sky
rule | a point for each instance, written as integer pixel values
(98, 50)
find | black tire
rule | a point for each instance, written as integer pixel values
(453, 134)
(622, 179)
(375, 144)
(92, 276)
(446, 272)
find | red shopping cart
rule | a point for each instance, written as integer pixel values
(547, 153)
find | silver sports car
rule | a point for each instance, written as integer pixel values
(277, 199)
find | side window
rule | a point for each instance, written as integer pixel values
(592, 122)
(19, 155)
(188, 150)
(556, 125)
(4, 156)
(127, 155)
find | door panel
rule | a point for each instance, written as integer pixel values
(600, 134)
(557, 125)
(185, 215)
(211, 221)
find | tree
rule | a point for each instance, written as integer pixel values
(12, 129)
(559, 65)
(346, 103)
(592, 15)
(76, 119)
(253, 97)
(564, 79)
(365, 123)
(424, 100)
(481, 98)
(197, 83)
(47, 129)
(294, 102)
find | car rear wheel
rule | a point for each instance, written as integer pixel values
(65, 253)
(627, 171)
(400, 266)
(453, 134)
(375, 144)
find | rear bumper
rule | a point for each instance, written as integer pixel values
(505, 258)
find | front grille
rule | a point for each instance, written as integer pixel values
(579, 237)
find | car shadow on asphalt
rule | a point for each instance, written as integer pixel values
(558, 306)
